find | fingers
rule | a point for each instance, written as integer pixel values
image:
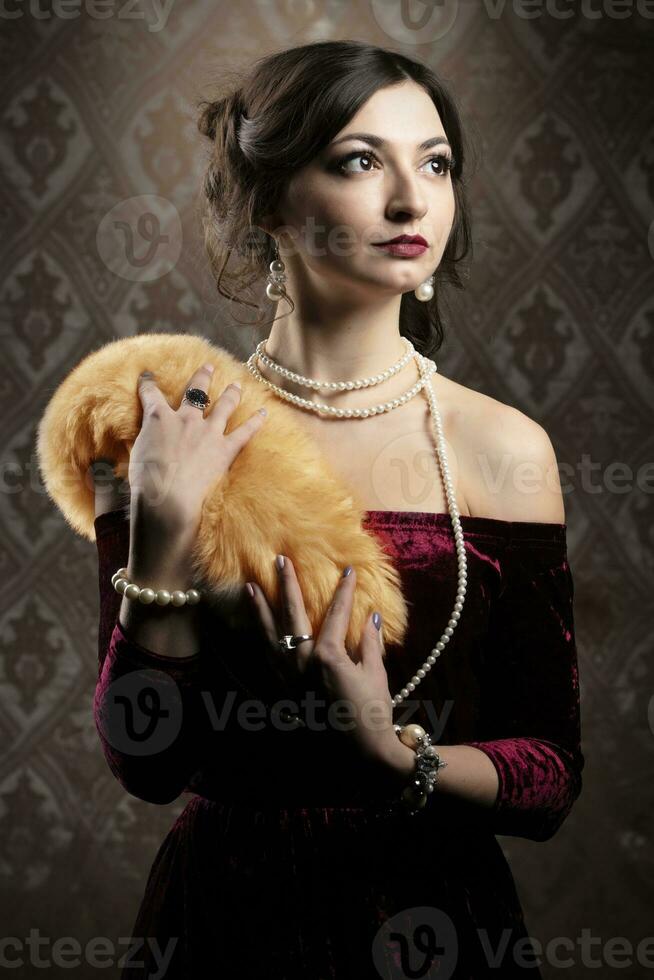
(152, 400)
(268, 627)
(295, 621)
(331, 639)
(220, 414)
(241, 435)
(371, 647)
(226, 405)
(329, 649)
(200, 380)
(151, 397)
(290, 665)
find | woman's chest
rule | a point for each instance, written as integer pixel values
(390, 462)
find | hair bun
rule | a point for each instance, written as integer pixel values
(228, 111)
(208, 118)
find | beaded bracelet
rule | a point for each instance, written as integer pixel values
(428, 762)
(162, 597)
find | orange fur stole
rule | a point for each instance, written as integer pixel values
(278, 497)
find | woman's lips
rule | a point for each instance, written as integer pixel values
(403, 248)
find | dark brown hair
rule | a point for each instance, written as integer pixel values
(274, 121)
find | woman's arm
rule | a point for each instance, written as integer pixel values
(469, 775)
(153, 760)
(171, 631)
(526, 769)
(532, 717)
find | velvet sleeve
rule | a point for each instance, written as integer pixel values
(530, 710)
(146, 706)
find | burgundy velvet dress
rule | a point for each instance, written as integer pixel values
(283, 864)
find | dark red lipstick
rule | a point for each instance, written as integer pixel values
(408, 245)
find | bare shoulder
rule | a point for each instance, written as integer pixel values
(508, 461)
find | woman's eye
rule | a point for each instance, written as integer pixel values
(445, 162)
(342, 163)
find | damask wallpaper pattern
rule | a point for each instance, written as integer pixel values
(98, 124)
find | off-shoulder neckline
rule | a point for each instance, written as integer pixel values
(488, 526)
(471, 524)
(443, 514)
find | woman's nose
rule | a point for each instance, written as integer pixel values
(407, 195)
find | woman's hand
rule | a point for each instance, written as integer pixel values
(179, 454)
(359, 680)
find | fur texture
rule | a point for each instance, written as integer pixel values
(279, 495)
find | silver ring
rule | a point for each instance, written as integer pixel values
(196, 397)
(287, 642)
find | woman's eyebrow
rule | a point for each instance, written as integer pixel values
(378, 141)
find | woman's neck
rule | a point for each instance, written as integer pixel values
(331, 355)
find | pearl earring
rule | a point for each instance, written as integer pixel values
(276, 278)
(425, 291)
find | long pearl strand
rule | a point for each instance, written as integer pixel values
(426, 368)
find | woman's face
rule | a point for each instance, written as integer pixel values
(336, 208)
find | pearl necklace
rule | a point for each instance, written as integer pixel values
(341, 413)
(300, 379)
(426, 368)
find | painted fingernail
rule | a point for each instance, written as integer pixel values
(209, 368)
(146, 374)
(377, 620)
(250, 590)
(279, 561)
(262, 411)
(235, 384)
(347, 571)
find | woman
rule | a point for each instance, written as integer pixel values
(293, 859)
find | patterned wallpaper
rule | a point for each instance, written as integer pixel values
(97, 117)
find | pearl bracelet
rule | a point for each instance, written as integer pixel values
(428, 762)
(162, 597)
